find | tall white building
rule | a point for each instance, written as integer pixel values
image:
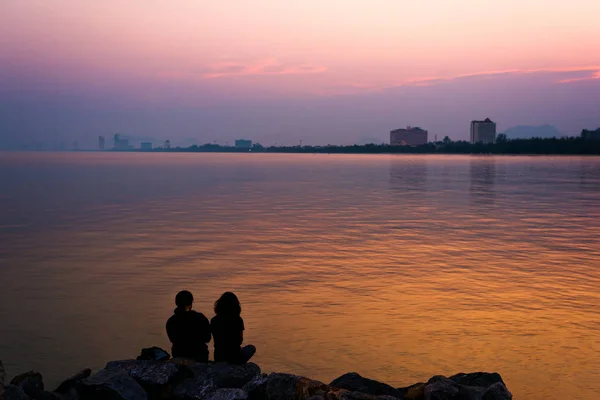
(408, 137)
(483, 131)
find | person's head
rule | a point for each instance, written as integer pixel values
(184, 300)
(228, 304)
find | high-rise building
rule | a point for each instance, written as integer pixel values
(483, 131)
(167, 144)
(590, 135)
(120, 143)
(101, 142)
(243, 144)
(411, 136)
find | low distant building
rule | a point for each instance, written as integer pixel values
(411, 136)
(101, 142)
(146, 146)
(483, 132)
(243, 144)
(590, 135)
(121, 143)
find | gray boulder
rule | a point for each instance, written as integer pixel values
(413, 392)
(12, 392)
(152, 373)
(497, 391)
(228, 394)
(257, 387)
(32, 384)
(158, 378)
(228, 376)
(194, 389)
(442, 388)
(343, 394)
(484, 379)
(292, 387)
(474, 386)
(2, 377)
(356, 383)
(71, 383)
(111, 384)
(209, 377)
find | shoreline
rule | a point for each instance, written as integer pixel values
(183, 151)
(534, 146)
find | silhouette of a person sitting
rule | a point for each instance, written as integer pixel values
(188, 330)
(228, 331)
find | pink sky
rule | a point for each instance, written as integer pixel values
(201, 52)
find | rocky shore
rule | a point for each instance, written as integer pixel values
(179, 379)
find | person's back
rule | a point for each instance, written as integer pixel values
(228, 331)
(188, 331)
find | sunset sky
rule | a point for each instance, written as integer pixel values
(322, 71)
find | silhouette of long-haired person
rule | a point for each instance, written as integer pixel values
(227, 327)
(188, 330)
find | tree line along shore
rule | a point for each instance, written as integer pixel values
(555, 146)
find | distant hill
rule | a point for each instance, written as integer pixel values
(528, 132)
(369, 140)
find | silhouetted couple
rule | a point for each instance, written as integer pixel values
(190, 332)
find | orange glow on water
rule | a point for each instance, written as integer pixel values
(398, 268)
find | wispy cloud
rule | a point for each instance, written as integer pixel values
(269, 66)
(558, 75)
(591, 72)
(588, 77)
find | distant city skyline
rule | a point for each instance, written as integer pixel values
(284, 72)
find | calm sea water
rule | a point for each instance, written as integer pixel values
(397, 267)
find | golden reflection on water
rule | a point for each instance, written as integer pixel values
(397, 267)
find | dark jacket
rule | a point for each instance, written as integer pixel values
(189, 331)
(227, 332)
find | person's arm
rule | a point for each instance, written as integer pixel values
(169, 328)
(205, 329)
(241, 328)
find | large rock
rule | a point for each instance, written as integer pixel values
(228, 394)
(484, 379)
(223, 375)
(158, 378)
(208, 378)
(12, 392)
(2, 377)
(153, 373)
(442, 388)
(292, 387)
(31, 382)
(277, 386)
(111, 384)
(474, 386)
(356, 383)
(343, 394)
(413, 392)
(257, 387)
(497, 391)
(71, 383)
(194, 389)
(183, 361)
